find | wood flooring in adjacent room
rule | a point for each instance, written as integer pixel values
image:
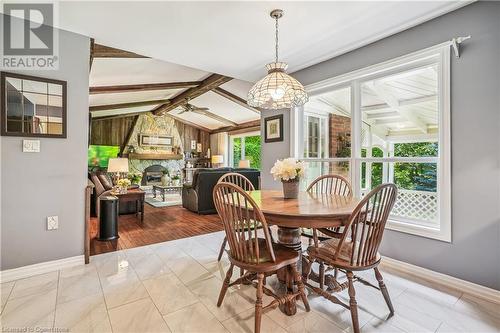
(160, 225)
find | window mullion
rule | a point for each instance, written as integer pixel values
(356, 136)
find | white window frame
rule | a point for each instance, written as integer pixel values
(321, 132)
(440, 54)
(231, 145)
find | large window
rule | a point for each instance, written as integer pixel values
(245, 147)
(387, 123)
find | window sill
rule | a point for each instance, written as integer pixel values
(419, 230)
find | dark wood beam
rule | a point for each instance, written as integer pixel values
(210, 83)
(92, 46)
(236, 99)
(127, 105)
(101, 51)
(142, 87)
(249, 125)
(120, 115)
(123, 115)
(129, 135)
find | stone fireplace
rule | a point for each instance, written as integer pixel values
(152, 175)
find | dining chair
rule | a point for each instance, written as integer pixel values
(326, 184)
(238, 180)
(356, 248)
(259, 257)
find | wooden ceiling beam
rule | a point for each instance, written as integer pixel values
(106, 107)
(249, 125)
(236, 99)
(133, 114)
(101, 51)
(142, 87)
(210, 83)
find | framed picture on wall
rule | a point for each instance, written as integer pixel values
(273, 128)
(155, 140)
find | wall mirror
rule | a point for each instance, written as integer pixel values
(33, 106)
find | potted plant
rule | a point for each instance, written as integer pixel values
(135, 178)
(289, 171)
(176, 180)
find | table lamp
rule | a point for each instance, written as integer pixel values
(244, 164)
(118, 166)
(217, 160)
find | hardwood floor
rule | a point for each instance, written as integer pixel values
(160, 225)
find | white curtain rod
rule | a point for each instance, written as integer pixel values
(455, 44)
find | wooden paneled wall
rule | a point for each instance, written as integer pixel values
(113, 132)
(110, 132)
(189, 133)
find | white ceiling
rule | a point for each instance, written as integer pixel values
(237, 38)
(122, 71)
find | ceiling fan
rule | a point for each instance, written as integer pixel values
(192, 108)
(205, 112)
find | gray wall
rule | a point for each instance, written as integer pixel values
(52, 182)
(474, 252)
(273, 151)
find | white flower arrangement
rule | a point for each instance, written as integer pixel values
(288, 169)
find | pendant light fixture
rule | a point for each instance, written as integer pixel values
(277, 90)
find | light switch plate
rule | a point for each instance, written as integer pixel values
(52, 222)
(31, 146)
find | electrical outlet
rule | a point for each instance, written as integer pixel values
(52, 222)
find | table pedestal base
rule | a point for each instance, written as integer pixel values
(289, 237)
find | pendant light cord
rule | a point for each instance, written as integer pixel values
(277, 39)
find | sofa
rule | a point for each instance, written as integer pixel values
(197, 196)
(103, 184)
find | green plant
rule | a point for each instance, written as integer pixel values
(176, 177)
(135, 178)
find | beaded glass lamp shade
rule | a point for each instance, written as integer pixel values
(277, 90)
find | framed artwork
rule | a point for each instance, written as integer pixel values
(193, 144)
(273, 128)
(32, 106)
(198, 147)
(155, 140)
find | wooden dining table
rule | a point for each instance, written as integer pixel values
(309, 210)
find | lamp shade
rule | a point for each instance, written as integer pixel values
(118, 164)
(217, 159)
(277, 90)
(244, 164)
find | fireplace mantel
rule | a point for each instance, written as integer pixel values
(153, 156)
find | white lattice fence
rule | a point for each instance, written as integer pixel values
(419, 205)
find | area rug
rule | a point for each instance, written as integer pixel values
(171, 199)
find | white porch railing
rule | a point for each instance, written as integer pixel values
(416, 205)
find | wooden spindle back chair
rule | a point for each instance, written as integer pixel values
(366, 226)
(240, 181)
(258, 256)
(330, 184)
(241, 218)
(356, 248)
(327, 184)
(333, 185)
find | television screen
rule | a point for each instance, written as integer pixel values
(100, 155)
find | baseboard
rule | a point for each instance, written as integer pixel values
(40, 268)
(476, 290)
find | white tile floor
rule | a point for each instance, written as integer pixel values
(173, 287)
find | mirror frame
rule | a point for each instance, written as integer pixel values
(3, 100)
